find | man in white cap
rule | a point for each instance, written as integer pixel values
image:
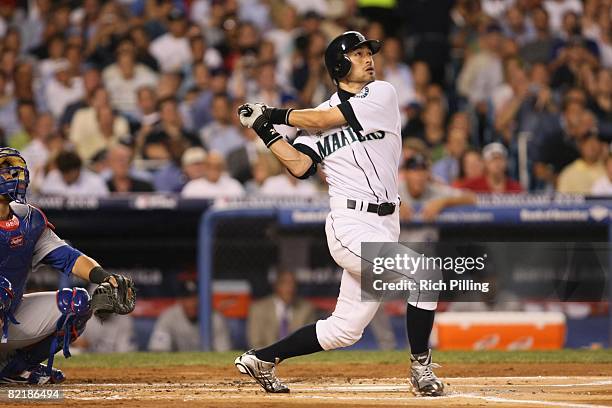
(495, 179)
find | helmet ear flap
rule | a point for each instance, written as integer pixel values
(343, 67)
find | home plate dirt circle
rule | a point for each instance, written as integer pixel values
(219, 387)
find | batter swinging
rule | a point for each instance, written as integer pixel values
(356, 136)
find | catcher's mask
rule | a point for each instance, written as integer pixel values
(14, 175)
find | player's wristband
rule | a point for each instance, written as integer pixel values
(278, 116)
(98, 275)
(267, 133)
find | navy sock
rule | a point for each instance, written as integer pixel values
(301, 342)
(419, 323)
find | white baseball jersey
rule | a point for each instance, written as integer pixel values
(361, 158)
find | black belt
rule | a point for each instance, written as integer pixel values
(380, 209)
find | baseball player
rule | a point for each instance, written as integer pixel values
(355, 136)
(35, 326)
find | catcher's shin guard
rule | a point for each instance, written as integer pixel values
(76, 311)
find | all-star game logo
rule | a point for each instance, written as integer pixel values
(363, 93)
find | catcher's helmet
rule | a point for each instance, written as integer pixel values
(14, 175)
(337, 63)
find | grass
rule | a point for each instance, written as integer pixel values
(372, 357)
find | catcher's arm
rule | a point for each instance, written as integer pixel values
(83, 267)
(114, 294)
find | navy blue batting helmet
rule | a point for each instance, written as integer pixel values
(336, 61)
(14, 175)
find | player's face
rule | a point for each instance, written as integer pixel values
(362, 69)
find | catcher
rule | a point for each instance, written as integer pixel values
(35, 326)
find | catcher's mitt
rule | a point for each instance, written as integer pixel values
(109, 299)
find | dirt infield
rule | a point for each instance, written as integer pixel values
(327, 385)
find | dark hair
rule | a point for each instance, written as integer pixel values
(67, 161)
(462, 159)
(165, 100)
(26, 102)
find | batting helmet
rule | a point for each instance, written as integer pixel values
(14, 174)
(337, 63)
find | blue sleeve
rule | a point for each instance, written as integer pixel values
(62, 258)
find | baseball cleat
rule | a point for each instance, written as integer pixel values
(38, 375)
(423, 380)
(261, 371)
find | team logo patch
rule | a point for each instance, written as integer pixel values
(16, 241)
(364, 92)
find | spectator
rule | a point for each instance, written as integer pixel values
(432, 133)
(309, 75)
(70, 179)
(275, 316)
(200, 52)
(538, 49)
(558, 8)
(172, 49)
(26, 113)
(36, 152)
(398, 73)
(201, 107)
(471, 167)
(55, 46)
(602, 96)
(264, 166)
(566, 67)
(418, 190)
(169, 177)
(92, 80)
(286, 185)
(517, 27)
(119, 159)
(447, 168)
(125, 77)
(8, 108)
(140, 38)
(482, 72)
(267, 90)
(579, 176)
(177, 328)
(603, 185)
(216, 183)
(282, 36)
(495, 179)
(62, 89)
(97, 127)
(555, 144)
(170, 126)
(221, 135)
(193, 163)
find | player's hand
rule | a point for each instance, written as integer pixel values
(406, 212)
(249, 113)
(432, 209)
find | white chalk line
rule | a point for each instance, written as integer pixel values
(351, 388)
(362, 398)
(355, 385)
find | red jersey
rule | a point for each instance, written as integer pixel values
(481, 185)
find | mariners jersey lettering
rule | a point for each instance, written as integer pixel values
(361, 158)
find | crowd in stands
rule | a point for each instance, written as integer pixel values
(106, 97)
